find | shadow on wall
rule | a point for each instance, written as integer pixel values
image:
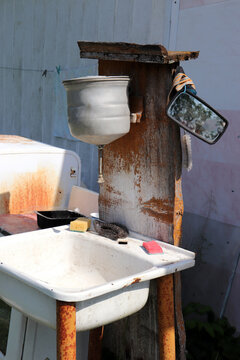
(217, 247)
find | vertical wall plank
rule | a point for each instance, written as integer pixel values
(106, 11)
(122, 20)
(142, 11)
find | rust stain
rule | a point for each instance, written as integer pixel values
(108, 202)
(135, 281)
(31, 191)
(14, 139)
(178, 213)
(177, 236)
(111, 189)
(166, 322)
(66, 331)
(137, 184)
(4, 203)
(161, 210)
(125, 153)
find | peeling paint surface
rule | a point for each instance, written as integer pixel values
(159, 209)
(139, 168)
(141, 171)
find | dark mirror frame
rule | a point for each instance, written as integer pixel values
(185, 127)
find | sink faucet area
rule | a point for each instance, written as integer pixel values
(106, 280)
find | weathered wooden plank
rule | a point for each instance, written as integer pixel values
(121, 47)
(133, 52)
(177, 236)
(125, 57)
(182, 55)
(140, 171)
(140, 168)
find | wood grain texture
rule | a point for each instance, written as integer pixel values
(177, 236)
(140, 171)
(140, 168)
(95, 343)
(133, 52)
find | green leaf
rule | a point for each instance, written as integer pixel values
(191, 324)
(209, 329)
(217, 328)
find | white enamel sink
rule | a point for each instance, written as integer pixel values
(108, 281)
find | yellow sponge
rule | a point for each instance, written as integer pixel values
(80, 224)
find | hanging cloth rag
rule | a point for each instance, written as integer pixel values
(180, 81)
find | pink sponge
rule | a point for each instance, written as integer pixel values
(152, 247)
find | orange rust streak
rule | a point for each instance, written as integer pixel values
(166, 332)
(4, 203)
(178, 213)
(111, 189)
(136, 280)
(159, 209)
(177, 235)
(33, 191)
(66, 331)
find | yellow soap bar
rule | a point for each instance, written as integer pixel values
(80, 224)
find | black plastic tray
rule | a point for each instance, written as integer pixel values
(47, 219)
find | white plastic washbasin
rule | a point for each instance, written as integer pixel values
(108, 281)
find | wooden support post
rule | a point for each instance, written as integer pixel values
(141, 171)
(177, 236)
(66, 331)
(95, 343)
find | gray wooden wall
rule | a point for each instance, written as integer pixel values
(38, 35)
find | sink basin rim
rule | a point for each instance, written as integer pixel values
(155, 270)
(71, 296)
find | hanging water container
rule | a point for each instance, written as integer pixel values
(98, 110)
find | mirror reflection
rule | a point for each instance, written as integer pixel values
(197, 117)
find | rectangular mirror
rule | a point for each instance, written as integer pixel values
(196, 116)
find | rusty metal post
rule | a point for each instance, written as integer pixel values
(166, 331)
(66, 331)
